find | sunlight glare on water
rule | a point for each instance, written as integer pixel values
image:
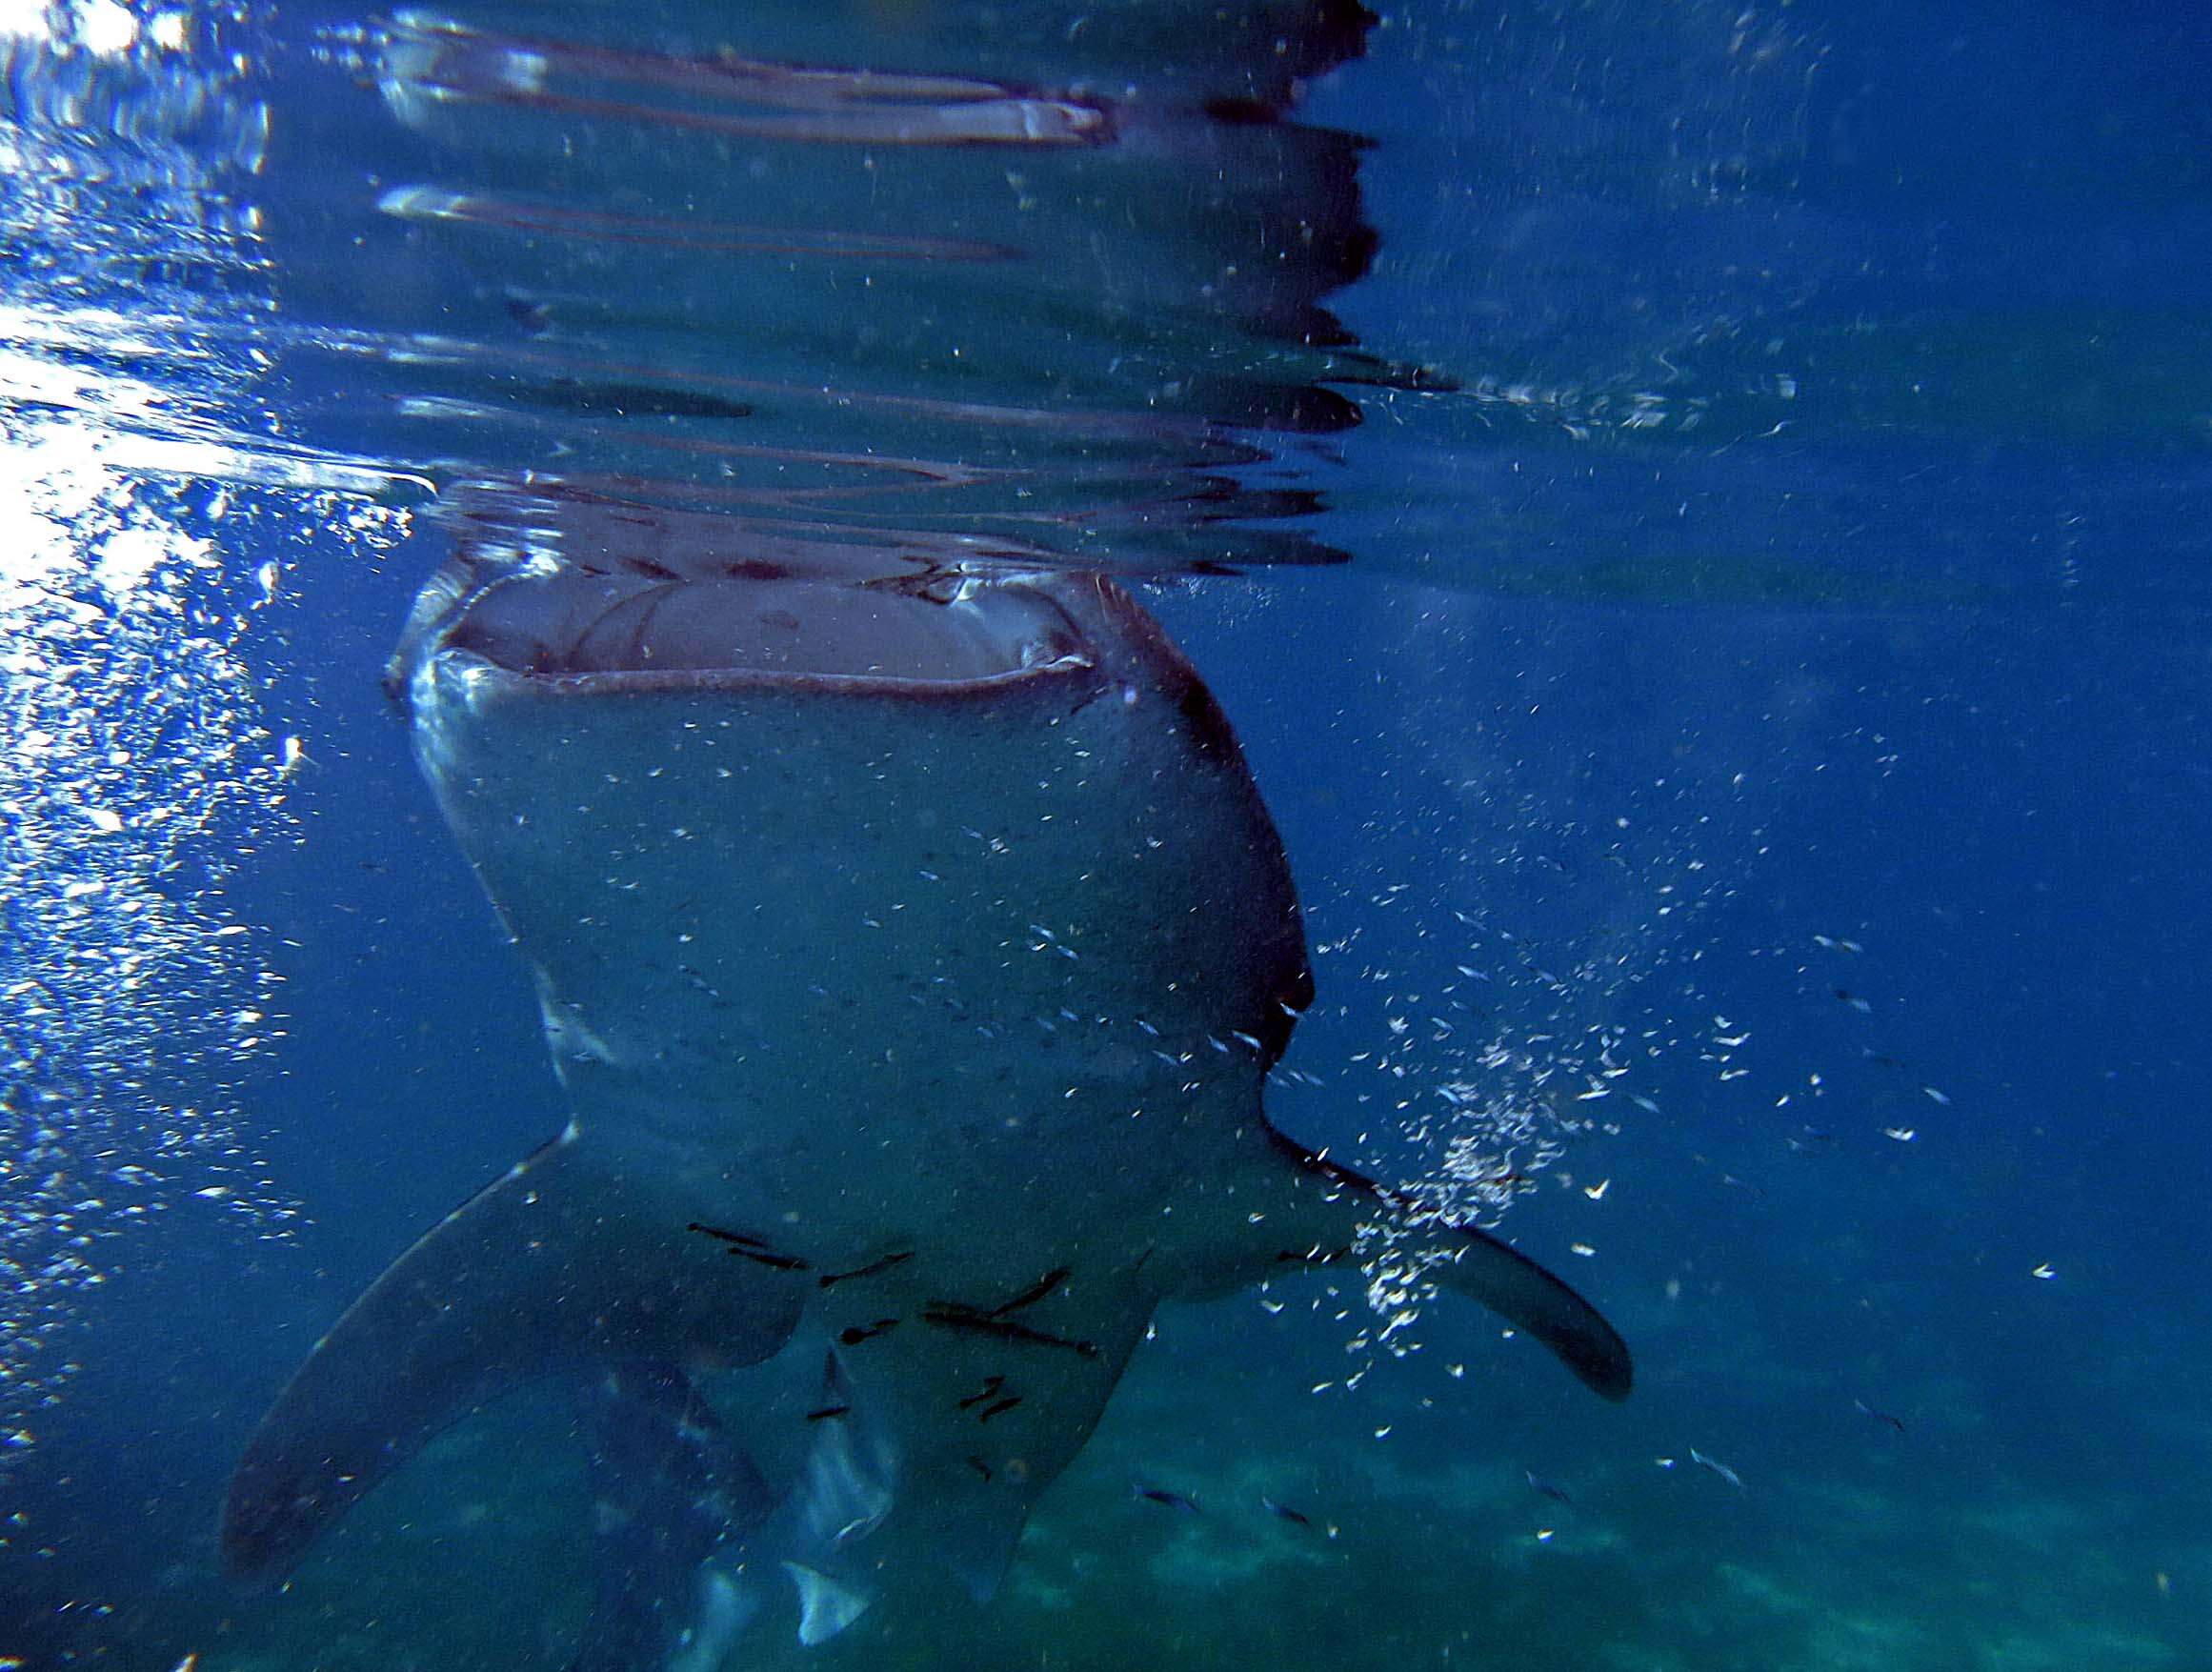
(140, 559)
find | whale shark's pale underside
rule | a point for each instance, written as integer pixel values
(912, 956)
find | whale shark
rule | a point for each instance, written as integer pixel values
(912, 949)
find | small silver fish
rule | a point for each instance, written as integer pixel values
(1882, 1417)
(1537, 1483)
(1718, 1467)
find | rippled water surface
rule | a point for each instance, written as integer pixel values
(1695, 516)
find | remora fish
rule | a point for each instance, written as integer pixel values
(795, 866)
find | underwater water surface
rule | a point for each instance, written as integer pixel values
(1693, 514)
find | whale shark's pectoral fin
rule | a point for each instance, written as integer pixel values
(1326, 1204)
(557, 1266)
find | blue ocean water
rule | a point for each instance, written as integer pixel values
(1692, 511)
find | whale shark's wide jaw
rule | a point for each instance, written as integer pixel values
(791, 628)
(643, 625)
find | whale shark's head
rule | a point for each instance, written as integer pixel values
(849, 761)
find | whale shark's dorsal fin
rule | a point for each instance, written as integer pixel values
(559, 1265)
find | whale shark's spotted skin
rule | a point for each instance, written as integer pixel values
(913, 956)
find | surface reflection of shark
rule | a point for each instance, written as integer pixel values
(912, 949)
(1047, 284)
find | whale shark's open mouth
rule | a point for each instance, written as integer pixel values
(570, 624)
(740, 621)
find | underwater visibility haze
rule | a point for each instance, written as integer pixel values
(1347, 838)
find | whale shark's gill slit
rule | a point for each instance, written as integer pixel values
(829, 1279)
